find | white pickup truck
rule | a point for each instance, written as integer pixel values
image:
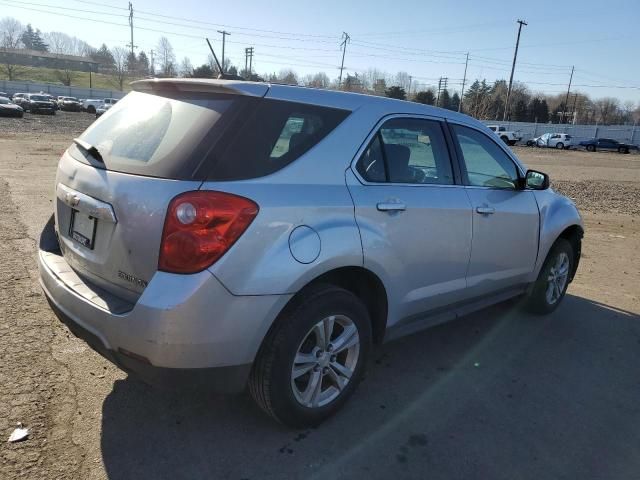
(92, 104)
(508, 137)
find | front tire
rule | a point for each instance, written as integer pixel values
(91, 109)
(560, 146)
(313, 358)
(591, 148)
(505, 139)
(553, 279)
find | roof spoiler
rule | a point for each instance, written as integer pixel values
(202, 85)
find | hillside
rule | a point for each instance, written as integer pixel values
(78, 79)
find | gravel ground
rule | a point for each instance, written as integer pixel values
(69, 124)
(498, 394)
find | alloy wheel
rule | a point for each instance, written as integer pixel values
(325, 361)
(557, 278)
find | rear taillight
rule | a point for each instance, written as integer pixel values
(200, 227)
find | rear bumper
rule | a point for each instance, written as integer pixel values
(185, 330)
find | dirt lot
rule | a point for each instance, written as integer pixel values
(498, 394)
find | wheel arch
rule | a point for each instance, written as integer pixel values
(364, 284)
(573, 234)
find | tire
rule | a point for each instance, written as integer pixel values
(530, 143)
(623, 150)
(91, 109)
(544, 298)
(591, 148)
(272, 383)
(505, 139)
(560, 146)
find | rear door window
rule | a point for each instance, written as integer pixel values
(275, 134)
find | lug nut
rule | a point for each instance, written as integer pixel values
(333, 358)
(316, 368)
(319, 353)
(325, 370)
(330, 348)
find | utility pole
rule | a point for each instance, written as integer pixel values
(224, 36)
(153, 67)
(409, 92)
(573, 110)
(248, 57)
(442, 85)
(513, 67)
(464, 80)
(566, 99)
(345, 39)
(131, 27)
(251, 62)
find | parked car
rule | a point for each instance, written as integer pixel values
(36, 103)
(108, 103)
(269, 235)
(20, 99)
(10, 109)
(5, 95)
(607, 144)
(69, 104)
(90, 105)
(552, 140)
(507, 136)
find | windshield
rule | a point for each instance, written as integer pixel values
(155, 135)
(4, 100)
(70, 99)
(39, 98)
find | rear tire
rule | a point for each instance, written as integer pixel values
(505, 139)
(560, 146)
(91, 109)
(591, 148)
(298, 339)
(623, 150)
(553, 279)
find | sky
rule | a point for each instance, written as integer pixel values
(426, 39)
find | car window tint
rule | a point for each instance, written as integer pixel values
(487, 165)
(275, 134)
(416, 152)
(371, 164)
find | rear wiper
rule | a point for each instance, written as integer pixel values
(90, 149)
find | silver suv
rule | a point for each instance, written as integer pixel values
(224, 234)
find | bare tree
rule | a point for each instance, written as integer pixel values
(10, 34)
(166, 57)
(606, 108)
(288, 76)
(186, 68)
(317, 80)
(120, 67)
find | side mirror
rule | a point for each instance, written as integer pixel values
(536, 180)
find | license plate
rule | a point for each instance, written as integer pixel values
(83, 228)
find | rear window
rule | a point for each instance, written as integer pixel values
(275, 134)
(161, 135)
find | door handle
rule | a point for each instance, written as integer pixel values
(485, 210)
(391, 207)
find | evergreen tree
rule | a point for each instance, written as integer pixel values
(32, 39)
(104, 57)
(427, 97)
(396, 92)
(132, 62)
(445, 99)
(203, 71)
(543, 116)
(520, 113)
(143, 64)
(455, 102)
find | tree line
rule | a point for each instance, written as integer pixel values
(482, 99)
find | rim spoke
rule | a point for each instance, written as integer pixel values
(348, 338)
(341, 369)
(321, 339)
(312, 392)
(328, 329)
(550, 291)
(338, 380)
(302, 364)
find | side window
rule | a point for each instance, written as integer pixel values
(371, 164)
(486, 164)
(407, 150)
